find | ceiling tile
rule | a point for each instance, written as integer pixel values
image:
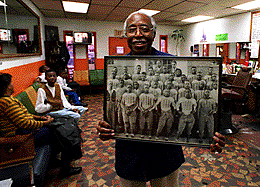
(98, 17)
(180, 17)
(100, 9)
(231, 3)
(53, 14)
(185, 6)
(75, 15)
(205, 1)
(105, 2)
(115, 18)
(134, 3)
(122, 12)
(223, 12)
(80, 1)
(163, 15)
(162, 5)
(48, 4)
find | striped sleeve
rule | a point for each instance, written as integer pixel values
(18, 114)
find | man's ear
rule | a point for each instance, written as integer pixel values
(154, 34)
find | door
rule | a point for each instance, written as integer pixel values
(118, 46)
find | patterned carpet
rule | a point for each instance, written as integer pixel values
(238, 165)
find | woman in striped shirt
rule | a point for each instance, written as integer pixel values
(14, 117)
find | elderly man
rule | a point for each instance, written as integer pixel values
(139, 162)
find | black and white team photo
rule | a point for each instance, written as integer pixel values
(167, 100)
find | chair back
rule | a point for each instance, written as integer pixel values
(242, 79)
(16, 150)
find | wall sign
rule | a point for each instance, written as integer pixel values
(221, 37)
(255, 26)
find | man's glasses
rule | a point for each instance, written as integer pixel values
(142, 29)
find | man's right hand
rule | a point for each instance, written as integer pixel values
(104, 131)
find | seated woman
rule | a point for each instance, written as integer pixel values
(15, 119)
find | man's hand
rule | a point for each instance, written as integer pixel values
(76, 110)
(219, 143)
(55, 103)
(104, 131)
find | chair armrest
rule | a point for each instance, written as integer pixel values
(234, 86)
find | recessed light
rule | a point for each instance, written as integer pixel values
(2, 4)
(75, 7)
(149, 12)
(197, 19)
(248, 6)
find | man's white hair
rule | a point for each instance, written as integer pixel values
(151, 18)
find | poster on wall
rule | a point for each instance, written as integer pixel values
(255, 26)
(163, 99)
(196, 50)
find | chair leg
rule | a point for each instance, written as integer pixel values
(32, 175)
(226, 126)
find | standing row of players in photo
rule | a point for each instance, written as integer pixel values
(138, 95)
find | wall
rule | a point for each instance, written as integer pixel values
(237, 27)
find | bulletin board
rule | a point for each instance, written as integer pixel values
(255, 34)
(255, 26)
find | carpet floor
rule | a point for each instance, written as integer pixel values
(238, 164)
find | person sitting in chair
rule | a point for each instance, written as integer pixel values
(41, 78)
(51, 99)
(62, 80)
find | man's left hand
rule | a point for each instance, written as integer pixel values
(76, 110)
(219, 143)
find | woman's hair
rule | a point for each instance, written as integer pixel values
(5, 81)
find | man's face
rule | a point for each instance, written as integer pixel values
(193, 70)
(215, 85)
(46, 68)
(178, 73)
(121, 84)
(150, 71)
(166, 93)
(146, 88)
(206, 94)
(129, 88)
(210, 70)
(187, 85)
(125, 69)
(114, 70)
(51, 77)
(139, 34)
(168, 85)
(199, 76)
(188, 94)
(138, 69)
(136, 85)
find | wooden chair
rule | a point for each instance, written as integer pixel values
(15, 151)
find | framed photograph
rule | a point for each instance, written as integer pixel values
(51, 33)
(163, 99)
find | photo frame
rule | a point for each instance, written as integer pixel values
(51, 33)
(163, 99)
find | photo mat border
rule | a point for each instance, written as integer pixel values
(129, 61)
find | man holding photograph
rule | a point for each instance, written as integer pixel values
(139, 162)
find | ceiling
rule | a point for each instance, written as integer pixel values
(172, 11)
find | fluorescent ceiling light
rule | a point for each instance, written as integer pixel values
(2, 4)
(197, 19)
(149, 12)
(248, 6)
(75, 7)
